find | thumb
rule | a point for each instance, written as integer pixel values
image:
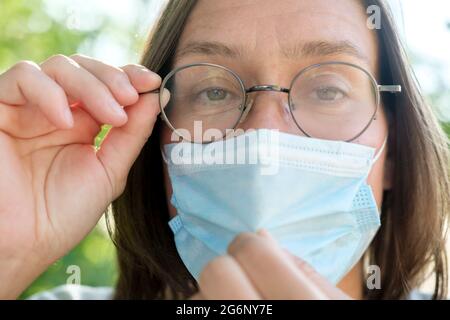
(122, 145)
(327, 287)
(324, 285)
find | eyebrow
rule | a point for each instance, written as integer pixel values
(300, 50)
(323, 48)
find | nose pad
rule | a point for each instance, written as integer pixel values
(246, 109)
(268, 111)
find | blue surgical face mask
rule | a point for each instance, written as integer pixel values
(310, 194)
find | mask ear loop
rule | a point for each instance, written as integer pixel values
(383, 146)
(374, 160)
(377, 156)
(163, 155)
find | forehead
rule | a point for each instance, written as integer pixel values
(264, 29)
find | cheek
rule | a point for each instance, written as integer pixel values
(165, 135)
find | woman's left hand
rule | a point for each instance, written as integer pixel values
(257, 268)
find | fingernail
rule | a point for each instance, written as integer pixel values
(67, 114)
(119, 111)
(165, 97)
(129, 89)
(145, 70)
(264, 233)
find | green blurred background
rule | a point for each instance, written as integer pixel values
(114, 31)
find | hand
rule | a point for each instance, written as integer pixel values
(257, 268)
(54, 187)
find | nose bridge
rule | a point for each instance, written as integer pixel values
(267, 109)
(267, 87)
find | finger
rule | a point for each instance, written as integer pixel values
(265, 234)
(114, 78)
(142, 78)
(85, 87)
(331, 290)
(327, 287)
(223, 279)
(26, 83)
(83, 132)
(122, 145)
(274, 274)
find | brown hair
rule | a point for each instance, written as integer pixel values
(412, 235)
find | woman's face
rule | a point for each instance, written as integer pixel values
(263, 31)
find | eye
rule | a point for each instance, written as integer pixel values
(328, 94)
(216, 94)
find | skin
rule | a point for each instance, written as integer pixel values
(55, 187)
(268, 27)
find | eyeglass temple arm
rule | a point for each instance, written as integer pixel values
(151, 91)
(390, 88)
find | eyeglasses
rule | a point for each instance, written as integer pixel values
(332, 100)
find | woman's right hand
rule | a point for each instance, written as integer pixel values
(54, 187)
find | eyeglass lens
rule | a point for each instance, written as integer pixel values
(329, 101)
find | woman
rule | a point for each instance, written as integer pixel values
(54, 186)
